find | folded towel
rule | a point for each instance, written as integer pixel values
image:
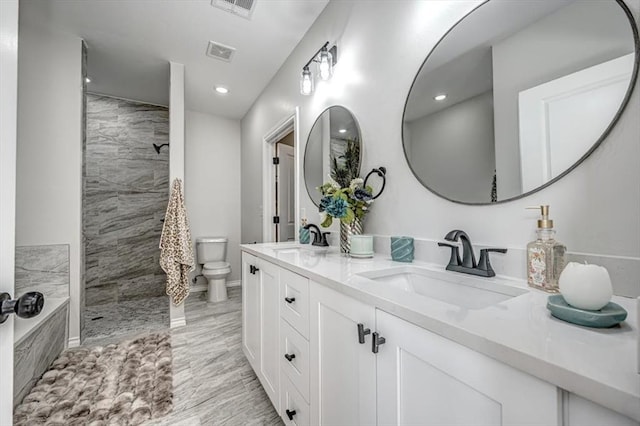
(176, 249)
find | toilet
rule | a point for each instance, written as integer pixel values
(211, 253)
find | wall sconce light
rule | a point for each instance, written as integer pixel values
(325, 58)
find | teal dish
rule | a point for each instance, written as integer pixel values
(402, 249)
(611, 314)
(305, 236)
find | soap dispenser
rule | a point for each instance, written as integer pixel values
(545, 255)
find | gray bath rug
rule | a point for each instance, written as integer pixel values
(119, 384)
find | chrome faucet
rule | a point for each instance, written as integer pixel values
(319, 237)
(468, 264)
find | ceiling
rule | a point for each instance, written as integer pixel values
(131, 42)
(461, 64)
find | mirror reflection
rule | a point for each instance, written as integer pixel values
(333, 149)
(516, 95)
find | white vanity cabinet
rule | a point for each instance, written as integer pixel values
(582, 412)
(261, 322)
(425, 379)
(312, 349)
(343, 379)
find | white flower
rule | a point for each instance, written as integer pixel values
(355, 183)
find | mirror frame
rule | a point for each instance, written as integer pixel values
(597, 143)
(304, 157)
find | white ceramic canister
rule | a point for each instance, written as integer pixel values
(361, 246)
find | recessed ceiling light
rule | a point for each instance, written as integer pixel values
(342, 131)
(87, 79)
(222, 90)
(440, 97)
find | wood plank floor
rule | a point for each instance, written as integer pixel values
(213, 383)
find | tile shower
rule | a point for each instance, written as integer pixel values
(125, 194)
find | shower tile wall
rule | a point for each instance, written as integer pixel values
(125, 195)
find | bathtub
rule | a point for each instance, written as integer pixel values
(37, 343)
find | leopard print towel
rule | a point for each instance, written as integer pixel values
(176, 252)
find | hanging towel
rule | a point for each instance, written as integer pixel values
(176, 253)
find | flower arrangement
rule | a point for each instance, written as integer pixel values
(344, 203)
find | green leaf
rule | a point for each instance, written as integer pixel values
(348, 218)
(328, 220)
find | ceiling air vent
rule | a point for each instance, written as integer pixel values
(243, 8)
(220, 51)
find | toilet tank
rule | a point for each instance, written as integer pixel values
(211, 249)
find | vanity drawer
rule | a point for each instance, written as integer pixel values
(293, 404)
(296, 347)
(294, 301)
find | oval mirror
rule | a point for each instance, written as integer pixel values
(517, 94)
(333, 149)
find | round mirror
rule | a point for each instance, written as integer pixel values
(333, 149)
(517, 94)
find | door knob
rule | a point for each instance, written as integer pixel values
(27, 306)
(289, 357)
(289, 299)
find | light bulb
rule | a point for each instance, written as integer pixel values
(440, 97)
(306, 82)
(222, 90)
(325, 68)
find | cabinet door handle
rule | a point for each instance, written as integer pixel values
(252, 269)
(290, 413)
(376, 342)
(362, 332)
(290, 299)
(289, 357)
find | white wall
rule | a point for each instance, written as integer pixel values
(212, 181)
(537, 55)
(596, 207)
(49, 151)
(461, 135)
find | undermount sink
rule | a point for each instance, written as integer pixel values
(449, 287)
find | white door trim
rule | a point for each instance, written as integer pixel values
(8, 126)
(280, 130)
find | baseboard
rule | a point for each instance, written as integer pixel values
(73, 342)
(178, 322)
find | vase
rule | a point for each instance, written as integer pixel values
(346, 231)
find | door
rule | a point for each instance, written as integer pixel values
(342, 370)
(425, 379)
(270, 330)
(8, 122)
(285, 193)
(251, 310)
(561, 119)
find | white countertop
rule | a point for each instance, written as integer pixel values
(597, 364)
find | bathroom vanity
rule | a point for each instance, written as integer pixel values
(335, 340)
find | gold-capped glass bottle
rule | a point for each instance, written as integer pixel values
(545, 255)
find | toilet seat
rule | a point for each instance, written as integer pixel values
(216, 265)
(216, 268)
